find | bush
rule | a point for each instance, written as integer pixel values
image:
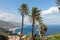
(3, 37)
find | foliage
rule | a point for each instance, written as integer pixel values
(42, 29)
(35, 14)
(50, 37)
(3, 37)
(23, 10)
(54, 37)
(36, 37)
(58, 2)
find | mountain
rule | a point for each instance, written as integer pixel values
(7, 24)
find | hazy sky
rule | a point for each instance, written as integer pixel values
(50, 12)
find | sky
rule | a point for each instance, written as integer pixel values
(50, 12)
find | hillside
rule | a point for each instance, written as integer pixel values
(8, 24)
(54, 36)
(5, 25)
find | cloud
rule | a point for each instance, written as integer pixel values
(50, 10)
(6, 16)
(52, 19)
(51, 16)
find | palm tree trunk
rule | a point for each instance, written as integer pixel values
(41, 35)
(22, 26)
(33, 29)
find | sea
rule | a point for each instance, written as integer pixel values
(51, 29)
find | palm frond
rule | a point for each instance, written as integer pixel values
(23, 9)
(35, 14)
(42, 27)
(58, 2)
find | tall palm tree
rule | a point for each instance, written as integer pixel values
(34, 17)
(42, 29)
(23, 10)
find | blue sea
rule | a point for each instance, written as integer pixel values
(52, 29)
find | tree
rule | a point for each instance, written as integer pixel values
(34, 17)
(58, 3)
(23, 10)
(2, 37)
(42, 29)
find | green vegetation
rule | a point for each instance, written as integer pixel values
(3, 37)
(54, 37)
(49, 37)
(58, 2)
(42, 29)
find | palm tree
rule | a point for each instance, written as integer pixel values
(42, 29)
(58, 3)
(23, 10)
(34, 17)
